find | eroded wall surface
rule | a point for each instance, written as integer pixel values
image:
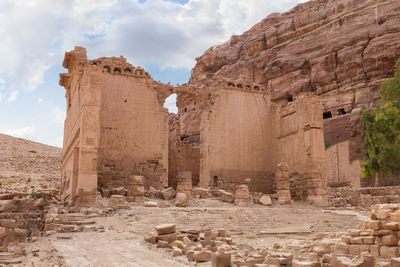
(300, 143)
(81, 129)
(340, 171)
(115, 126)
(236, 139)
(133, 130)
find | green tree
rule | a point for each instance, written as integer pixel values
(381, 130)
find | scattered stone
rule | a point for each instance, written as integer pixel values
(220, 259)
(227, 197)
(150, 204)
(118, 191)
(162, 244)
(203, 193)
(176, 252)
(265, 200)
(163, 229)
(202, 256)
(118, 202)
(164, 204)
(181, 200)
(168, 193)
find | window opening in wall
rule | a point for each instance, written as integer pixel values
(106, 69)
(215, 181)
(170, 104)
(327, 115)
(290, 99)
(117, 70)
(185, 109)
(128, 71)
(195, 103)
(341, 111)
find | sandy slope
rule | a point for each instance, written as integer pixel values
(28, 166)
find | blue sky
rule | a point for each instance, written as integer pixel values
(163, 36)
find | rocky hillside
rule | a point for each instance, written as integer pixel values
(27, 166)
(321, 46)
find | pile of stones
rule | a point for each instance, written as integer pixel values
(196, 245)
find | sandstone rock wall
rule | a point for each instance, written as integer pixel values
(339, 50)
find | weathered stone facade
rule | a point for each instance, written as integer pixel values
(241, 135)
(116, 126)
(279, 92)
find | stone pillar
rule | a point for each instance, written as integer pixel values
(135, 188)
(184, 183)
(242, 196)
(282, 183)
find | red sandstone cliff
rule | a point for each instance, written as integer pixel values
(319, 46)
(340, 50)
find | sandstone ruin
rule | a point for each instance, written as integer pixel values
(261, 165)
(242, 113)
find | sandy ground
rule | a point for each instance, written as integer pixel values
(122, 244)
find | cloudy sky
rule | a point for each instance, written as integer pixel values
(163, 36)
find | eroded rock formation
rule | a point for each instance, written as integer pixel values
(339, 50)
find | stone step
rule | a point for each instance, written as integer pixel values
(78, 222)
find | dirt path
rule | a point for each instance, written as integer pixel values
(122, 244)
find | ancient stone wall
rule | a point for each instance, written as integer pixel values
(300, 143)
(81, 130)
(340, 170)
(133, 127)
(115, 126)
(237, 139)
(184, 152)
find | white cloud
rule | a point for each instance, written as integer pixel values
(35, 34)
(13, 96)
(2, 81)
(40, 100)
(170, 104)
(1, 96)
(25, 132)
(58, 115)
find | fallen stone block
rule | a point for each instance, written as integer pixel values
(227, 197)
(200, 192)
(163, 229)
(118, 191)
(220, 259)
(151, 238)
(168, 193)
(150, 204)
(265, 200)
(176, 252)
(162, 244)
(164, 204)
(181, 200)
(202, 256)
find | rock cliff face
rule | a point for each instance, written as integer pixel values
(340, 50)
